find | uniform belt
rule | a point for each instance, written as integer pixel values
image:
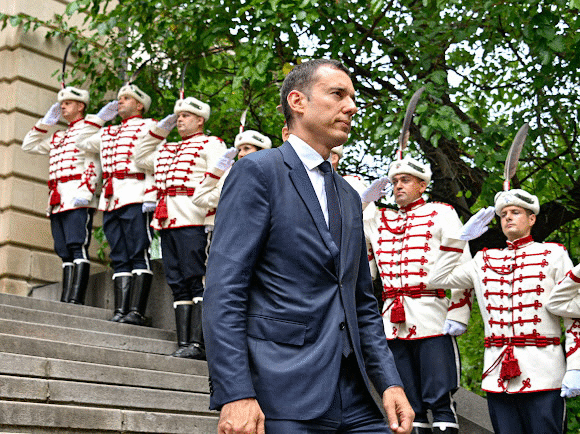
(176, 191)
(521, 341)
(413, 292)
(52, 182)
(123, 175)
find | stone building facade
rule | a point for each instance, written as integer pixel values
(28, 87)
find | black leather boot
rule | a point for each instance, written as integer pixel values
(139, 296)
(445, 430)
(67, 281)
(420, 430)
(182, 327)
(80, 282)
(197, 346)
(122, 288)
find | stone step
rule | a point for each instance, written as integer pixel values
(33, 346)
(16, 313)
(37, 418)
(88, 338)
(55, 306)
(56, 369)
(101, 395)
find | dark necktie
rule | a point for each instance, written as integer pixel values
(334, 219)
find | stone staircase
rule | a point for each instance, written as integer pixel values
(67, 369)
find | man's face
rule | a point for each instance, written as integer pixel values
(325, 113)
(245, 149)
(516, 223)
(189, 124)
(71, 110)
(407, 189)
(129, 106)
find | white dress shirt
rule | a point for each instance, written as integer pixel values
(311, 160)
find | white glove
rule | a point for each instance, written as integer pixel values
(168, 122)
(79, 201)
(226, 160)
(109, 112)
(571, 384)
(148, 207)
(52, 115)
(477, 224)
(376, 190)
(453, 328)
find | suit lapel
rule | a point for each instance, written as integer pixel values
(303, 185)
(346, 217)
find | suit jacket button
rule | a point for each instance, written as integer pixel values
(342, 325)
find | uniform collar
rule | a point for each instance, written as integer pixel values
(131, 117)
(413, 205)
(520, 242)
(74, 122)
(183, 139)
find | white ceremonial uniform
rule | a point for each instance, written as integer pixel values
(179, 169)
(522, 338)
(404, 244)
(124, 183)
(72, 172)
(565, 298)
(207, 193)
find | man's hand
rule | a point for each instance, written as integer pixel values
(52, 115)
(376, 190)
(79, 202)
(168, 122)
(571, 384)
(227, 159)
(399, 411)
(477, 225)
(453, 328)
(109, 112)
(148, 207)
(241, 417)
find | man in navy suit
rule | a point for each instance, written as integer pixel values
(293, 335)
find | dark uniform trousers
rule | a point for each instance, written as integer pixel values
(71, 232)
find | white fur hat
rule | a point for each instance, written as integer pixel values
(192, 105)
(252, 137)
(516, 197)
(338, 150)
(70, 93)
(412, 167)
(138, 94)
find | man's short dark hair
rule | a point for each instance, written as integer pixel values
(301, 79)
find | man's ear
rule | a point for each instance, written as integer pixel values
(532, 219)
(297, 101)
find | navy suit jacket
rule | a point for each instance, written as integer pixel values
(275, 292)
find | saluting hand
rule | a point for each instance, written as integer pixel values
(52, 115)
(109, 111)
(399, 412)
(227, 159)
(241, 417)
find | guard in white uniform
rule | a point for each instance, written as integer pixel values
(524, 361)
(179, 169)
(127, 199)
(208, 192)
(404, 244)
(73, 174)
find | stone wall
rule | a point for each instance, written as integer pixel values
(27, 89)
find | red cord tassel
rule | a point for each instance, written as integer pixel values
(54, 197)
(398, 311)
(161, 210)
(109, 188)
(510, 367)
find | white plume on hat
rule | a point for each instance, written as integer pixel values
(192, 105)
(70, 93)
(410, 166)
(516, 197)
(252, 137)
(338, 150)
(133, 91)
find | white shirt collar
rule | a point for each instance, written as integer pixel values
(309, 157)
